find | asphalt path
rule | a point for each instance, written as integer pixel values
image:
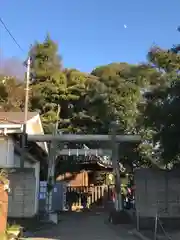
(84, 226)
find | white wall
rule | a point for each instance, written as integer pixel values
(30, 128)
(34, 126)
(9, 159)
(6, 152)
(37, 174)
(27, 164)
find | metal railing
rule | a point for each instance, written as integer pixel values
(159, 223)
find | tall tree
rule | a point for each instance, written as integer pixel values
(123, 94)
(162, 109)
(47, 80)
(45, 60)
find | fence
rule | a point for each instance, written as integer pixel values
(160, 224)
(76, 197)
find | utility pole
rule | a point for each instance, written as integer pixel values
(115, 163)
(24, 137)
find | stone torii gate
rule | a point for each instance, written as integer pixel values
(112, 138)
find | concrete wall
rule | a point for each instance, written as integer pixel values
(157, 191)
(22, 194)
(36, 169)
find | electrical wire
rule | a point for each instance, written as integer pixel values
(10, 34)
(19, 46)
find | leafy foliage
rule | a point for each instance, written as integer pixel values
(162, 109)
(144, 98)
(11, 94)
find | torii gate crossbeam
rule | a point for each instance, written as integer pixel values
(82, 138)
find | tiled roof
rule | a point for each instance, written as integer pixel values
(15, 117)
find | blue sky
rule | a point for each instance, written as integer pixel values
(90, 33)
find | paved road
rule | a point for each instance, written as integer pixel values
(84, 226)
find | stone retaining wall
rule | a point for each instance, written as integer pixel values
(157, 192)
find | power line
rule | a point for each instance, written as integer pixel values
(10, 34)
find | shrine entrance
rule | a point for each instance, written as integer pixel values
(58, 147)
